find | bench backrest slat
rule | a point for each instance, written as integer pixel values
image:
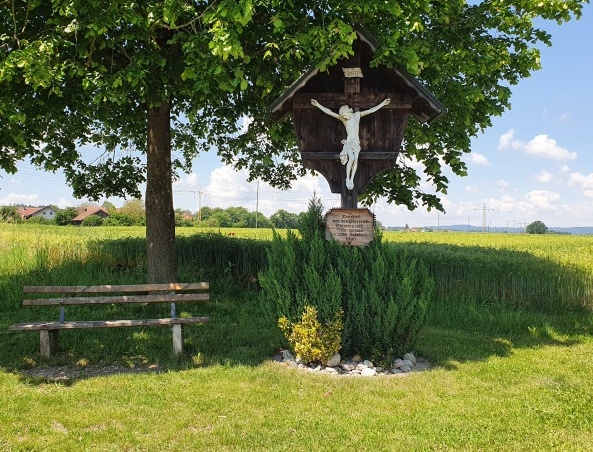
(177, 287)
(117, 299)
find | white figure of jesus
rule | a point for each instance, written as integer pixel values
(351, 149)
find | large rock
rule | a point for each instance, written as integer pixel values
(408, 363)
(334, 360)
(410, 356)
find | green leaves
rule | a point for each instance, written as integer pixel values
(70, 70)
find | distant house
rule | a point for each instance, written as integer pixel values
(88, 212)
(47, 212)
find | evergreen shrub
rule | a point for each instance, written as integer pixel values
(384, 295)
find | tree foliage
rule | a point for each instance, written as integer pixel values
(64, 216)
(282, 219)
(157, 77)
(10, 214)
(537, 227)
(134, 210)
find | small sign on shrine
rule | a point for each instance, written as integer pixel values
(350, 121)
(351, 227)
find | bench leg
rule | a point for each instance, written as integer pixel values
(48, 342)
(177, 339)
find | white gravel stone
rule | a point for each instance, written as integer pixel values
(334, 360)
(355, 367)
(368, 372)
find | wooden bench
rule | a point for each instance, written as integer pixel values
(112, 294)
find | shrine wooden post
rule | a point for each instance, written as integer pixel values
(353, 82)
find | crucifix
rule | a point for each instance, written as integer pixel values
(351, 149)
(350, 156)
(373, 103)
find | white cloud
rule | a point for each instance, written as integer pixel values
(472, 189)
(542, 199)
(15, 198)
(545, 147)
(229, 187)
(188, 182)
(582, 180)
(542, 146)
(478, 159)
(505, 140)
(502, 184)
(63, 203)
(543, 177)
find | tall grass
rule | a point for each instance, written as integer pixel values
(546, 272)
(550, 272)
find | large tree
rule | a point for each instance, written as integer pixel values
(153, 83)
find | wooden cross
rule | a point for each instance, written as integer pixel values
(380, 134)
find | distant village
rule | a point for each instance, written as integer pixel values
(48, 214)
(132, 213)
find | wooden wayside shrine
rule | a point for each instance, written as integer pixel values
(353, 82)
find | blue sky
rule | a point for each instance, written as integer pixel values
(534, 163)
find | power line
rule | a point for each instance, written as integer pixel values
(484, 210)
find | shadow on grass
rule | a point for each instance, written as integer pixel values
(466, 333)
(462, 327)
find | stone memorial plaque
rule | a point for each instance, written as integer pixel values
(351, 227)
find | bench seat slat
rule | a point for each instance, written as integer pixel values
(35, 326)
(118, 299)
(118, 288)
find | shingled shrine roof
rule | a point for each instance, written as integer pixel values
(425, 106)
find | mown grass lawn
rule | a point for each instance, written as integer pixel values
(503, 377)
(482, 394)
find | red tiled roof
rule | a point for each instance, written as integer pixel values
(89, 211)
(26, 212)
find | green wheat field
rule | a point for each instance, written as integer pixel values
(508, 337)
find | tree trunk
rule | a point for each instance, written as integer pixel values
(160, 215)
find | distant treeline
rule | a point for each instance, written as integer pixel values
(132, 213)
